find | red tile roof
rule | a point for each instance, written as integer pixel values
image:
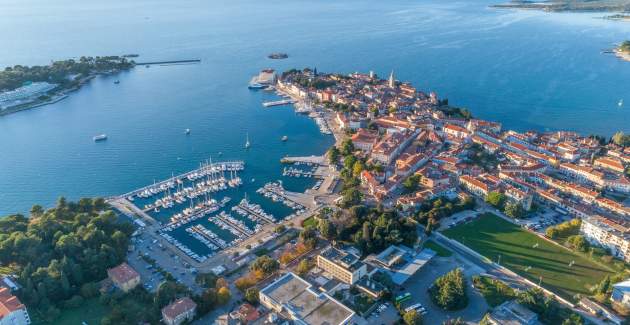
(9, 303)
(178, 307)
(122, 273)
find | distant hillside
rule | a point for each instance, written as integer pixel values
(569, 5)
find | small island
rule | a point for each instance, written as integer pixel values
(23, 87)
(278, 56)
(567, 5)
(623, 51)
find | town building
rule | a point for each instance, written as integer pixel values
(342, 265)
(12, 310)
(400, 262)
(609, 234)
(124, 277)
(296, 299)
(179, 311)
(512, 313)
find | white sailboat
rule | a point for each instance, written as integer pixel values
(620, 103)
(247, 143)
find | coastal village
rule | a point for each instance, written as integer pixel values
(384, 236)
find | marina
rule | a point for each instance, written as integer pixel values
(276, 192)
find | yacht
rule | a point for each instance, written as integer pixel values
(247, 143)
(285, 138)
(620, 103)
(100, 137)
(187, 131)
(117, 81)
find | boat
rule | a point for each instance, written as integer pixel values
(117, 81)
(187, 131)
(100, 137)
(285, 138)
(147, 66)
(256, 85)
(620, 103)
(247, 143)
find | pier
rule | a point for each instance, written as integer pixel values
(169, 62)
(318, 160)
(204, 169)
(279, 102)
(259, 215)
(245, 232)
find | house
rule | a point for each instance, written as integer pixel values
(246, 313)
(179, 311)
(364, 140)
(12, 311)
(621, 293)
(610, 163)
(124, 277)
(342, 265)
(512, 313)
(480, 185)
(296, 299)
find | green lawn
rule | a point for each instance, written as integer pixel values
(91, 312)
(437, 248)
(310, 221)
(493, 236)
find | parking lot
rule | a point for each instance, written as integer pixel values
(457, 218)
(543, 219)
(151, 278)
(383, 316)
(418, 285)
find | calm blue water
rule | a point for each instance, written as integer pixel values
(530, 70)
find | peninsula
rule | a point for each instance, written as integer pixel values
(23, 87)
(623, 51)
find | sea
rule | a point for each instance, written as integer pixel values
(526, 69)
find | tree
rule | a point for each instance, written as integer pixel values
(265, 264)
(303, 267)
(449, 290)
(621, 139)
(411, 183)
(496, 199)
(351, 197)
(347, 147)
(552, 232)
(251, 295)
(578, 242)
(333, 155)
(279, 229)
(167, 292)
(357, 168)
(327, 229)
(412, 318)
(206, 301)
(514, 210)
(223, 296)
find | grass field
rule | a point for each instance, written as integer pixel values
(437, 248)
(493, 236)
(91, 312)
(310, 221)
